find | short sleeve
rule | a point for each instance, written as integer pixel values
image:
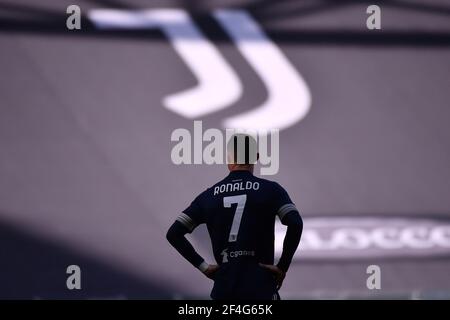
(192, 216)
(282, 202)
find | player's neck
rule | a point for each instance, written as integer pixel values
(238, 168)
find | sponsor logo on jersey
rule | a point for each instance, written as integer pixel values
(235, 254)
(224, 255)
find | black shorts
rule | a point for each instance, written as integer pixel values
(244, 280)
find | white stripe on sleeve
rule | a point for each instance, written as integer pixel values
(187, 221)
(286, 209)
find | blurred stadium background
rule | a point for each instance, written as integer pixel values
(85, 170)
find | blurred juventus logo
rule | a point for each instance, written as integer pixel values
(288, 99)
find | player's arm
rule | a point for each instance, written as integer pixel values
(289, 216)
(176, 237)
(294, 224)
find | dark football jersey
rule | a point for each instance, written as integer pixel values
(240, 213)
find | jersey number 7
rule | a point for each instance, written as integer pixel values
(227, 202)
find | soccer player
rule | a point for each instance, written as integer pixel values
(239, 212)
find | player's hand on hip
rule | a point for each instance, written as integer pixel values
(211, 271)
(276, 272)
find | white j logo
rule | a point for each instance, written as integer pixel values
(218, 86)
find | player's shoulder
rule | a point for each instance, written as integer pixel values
(269, 183)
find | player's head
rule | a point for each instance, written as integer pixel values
(242, 152)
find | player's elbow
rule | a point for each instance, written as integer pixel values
(175, 232)
(171, 235)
